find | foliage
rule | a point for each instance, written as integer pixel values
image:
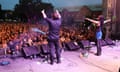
(30, 10)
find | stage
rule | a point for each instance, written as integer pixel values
(72, 61)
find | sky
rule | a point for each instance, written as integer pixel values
(9, 4)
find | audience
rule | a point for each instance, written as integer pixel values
(21, 35)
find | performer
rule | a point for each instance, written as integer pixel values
(53, 36)
(99, 25)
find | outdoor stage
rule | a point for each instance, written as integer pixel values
(109, 61)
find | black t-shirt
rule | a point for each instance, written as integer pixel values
(54, 28)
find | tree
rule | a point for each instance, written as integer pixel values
(0, 7)
(30, 10)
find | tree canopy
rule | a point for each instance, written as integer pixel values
(30, 10)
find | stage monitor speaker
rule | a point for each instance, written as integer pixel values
(3, 52)
(32, 50)
(85, 43)
(103, 43)
(72, 46)
(44, 48)
(109, 41)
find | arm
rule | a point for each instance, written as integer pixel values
(58, 13)
(106, 21)
(43, 13)
(91, 20)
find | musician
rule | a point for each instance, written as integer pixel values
(99, 25)
(53, 36)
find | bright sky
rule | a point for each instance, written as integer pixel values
(64, 3)
(9, 4)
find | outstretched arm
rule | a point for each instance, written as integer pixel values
(58, 13)
(106, 21)
(44, 14)
(91, 20)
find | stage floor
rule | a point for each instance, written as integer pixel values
(72, 61)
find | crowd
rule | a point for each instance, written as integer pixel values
(21, 35)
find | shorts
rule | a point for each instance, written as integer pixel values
(99, 35)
